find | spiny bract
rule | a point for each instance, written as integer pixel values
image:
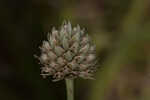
(68, 53)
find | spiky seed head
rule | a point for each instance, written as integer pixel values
(68, 53)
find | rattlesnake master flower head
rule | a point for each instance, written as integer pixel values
(68, 53)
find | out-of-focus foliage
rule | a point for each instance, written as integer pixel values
(119, 28)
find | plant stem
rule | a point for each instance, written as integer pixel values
(70, 89)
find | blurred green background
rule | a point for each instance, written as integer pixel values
(119, 28)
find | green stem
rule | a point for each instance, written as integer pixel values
(70, 89)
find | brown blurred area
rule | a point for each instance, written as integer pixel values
(119, 28)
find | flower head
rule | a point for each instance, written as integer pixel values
(68, 53)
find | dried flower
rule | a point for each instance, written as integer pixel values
(68, 53)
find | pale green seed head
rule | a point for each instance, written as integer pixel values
(68, 53)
